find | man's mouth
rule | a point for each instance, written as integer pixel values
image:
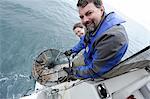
(90, 26)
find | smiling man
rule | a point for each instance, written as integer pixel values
(105, 41)
(79, 29)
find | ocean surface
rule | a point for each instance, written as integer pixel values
(27, 27)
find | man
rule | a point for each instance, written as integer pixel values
(106, 40)
(79, 30)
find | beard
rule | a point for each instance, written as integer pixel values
(90, 26)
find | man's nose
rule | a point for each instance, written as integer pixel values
(78, 35)
(85, 19)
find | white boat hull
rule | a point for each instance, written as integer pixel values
(119, 87)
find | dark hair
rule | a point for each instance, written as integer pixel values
(83, 3)
(79, 24)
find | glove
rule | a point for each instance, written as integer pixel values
(70, 76)
(68, 53)
(68, 70)
(74, 55)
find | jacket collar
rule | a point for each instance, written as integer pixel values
(108, 20)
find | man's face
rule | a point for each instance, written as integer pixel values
(91, 16)
(79, 31)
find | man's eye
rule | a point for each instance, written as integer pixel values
(88, 13)
(81, 17)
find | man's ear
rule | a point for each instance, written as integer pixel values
(102, 8)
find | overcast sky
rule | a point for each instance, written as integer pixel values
(137, 10)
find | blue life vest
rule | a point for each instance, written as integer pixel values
(109, 21)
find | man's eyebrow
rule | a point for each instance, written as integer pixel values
(89, 11)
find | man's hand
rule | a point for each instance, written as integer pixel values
(70, 76)
(68, 53)
(68, 70)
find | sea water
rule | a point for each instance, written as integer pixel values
(28, 27)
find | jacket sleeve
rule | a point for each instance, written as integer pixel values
(107, 53)
(77, 48)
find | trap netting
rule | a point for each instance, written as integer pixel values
(47, 67)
